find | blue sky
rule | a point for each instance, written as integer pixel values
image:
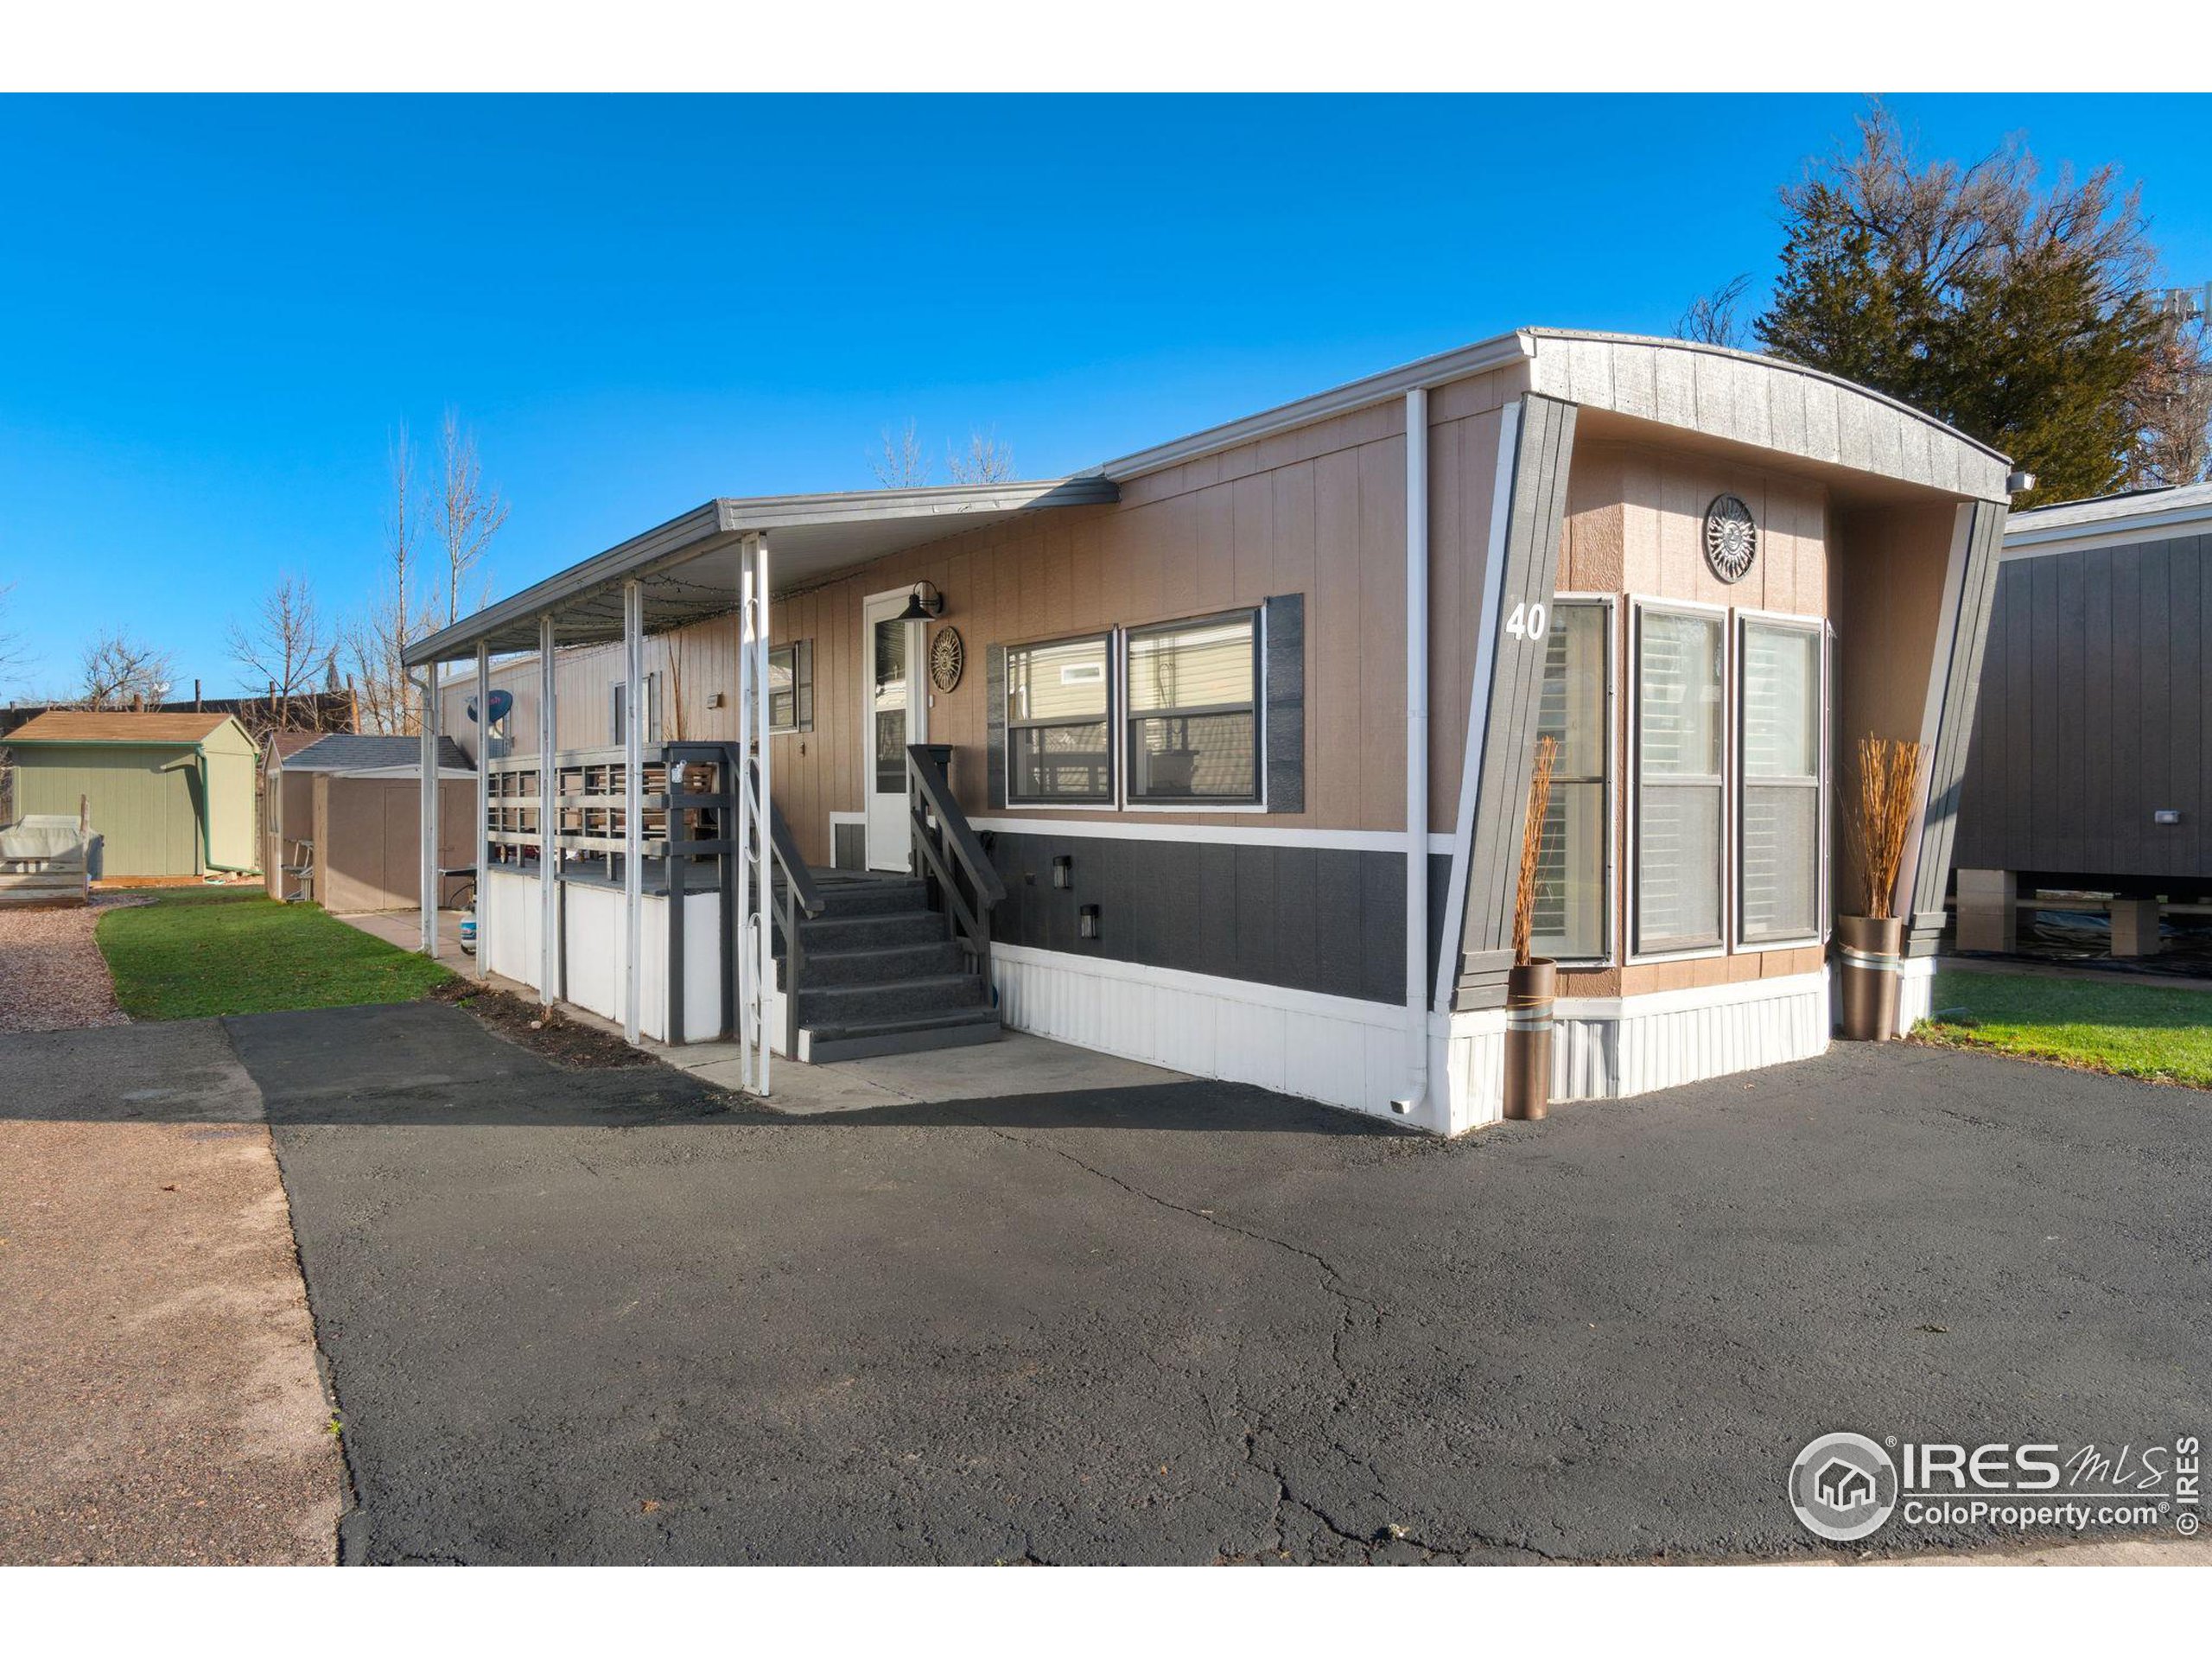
(214, 312)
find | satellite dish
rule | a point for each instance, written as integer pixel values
(503, 704)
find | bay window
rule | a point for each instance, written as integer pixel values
(1779, 820)
(1573, 901)
(1193, 716)
(1680, 734)
(1057, 698)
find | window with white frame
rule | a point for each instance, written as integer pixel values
(1779, 721)
(1059, 711)
(791, 687)
(1681, 678)
(617, 717)
(1193, 726)
(1573, 901)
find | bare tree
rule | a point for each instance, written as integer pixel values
(397, 613)
(1712, 318)
(988, 461)
(2173, 402)
(469, 513)
(13, 654)
(901, 465)
(283, 646)
(117, 671)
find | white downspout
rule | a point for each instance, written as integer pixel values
(1417, 974)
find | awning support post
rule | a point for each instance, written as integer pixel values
(633, 797)
(548, 819)
(483, 801)
(764, 960)
(427, 891)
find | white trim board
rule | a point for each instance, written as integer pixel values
(1356, 841)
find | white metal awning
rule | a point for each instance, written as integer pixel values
(689, 566)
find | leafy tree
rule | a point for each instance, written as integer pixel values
(2020, 314)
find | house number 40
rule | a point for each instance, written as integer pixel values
(1528, 622)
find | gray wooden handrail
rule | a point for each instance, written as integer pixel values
(945, 849)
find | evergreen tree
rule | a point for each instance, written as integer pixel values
(2019, 315)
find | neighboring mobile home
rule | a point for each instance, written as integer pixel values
(1216, 756)
(2091, 766)
(170, 794)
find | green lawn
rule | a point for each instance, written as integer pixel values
(196, 952)
(2125, 1027)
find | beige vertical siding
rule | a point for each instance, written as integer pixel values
(1636, 526)
(1318, 511)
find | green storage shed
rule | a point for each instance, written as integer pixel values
(172, 794)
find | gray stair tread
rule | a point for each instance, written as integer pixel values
(977, 1014)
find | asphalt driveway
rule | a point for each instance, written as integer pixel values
(604, 1317)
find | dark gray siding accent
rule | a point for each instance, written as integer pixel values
(1308, 918)
(1535, 521)
(2092, 717)
(994, 724)
(1962, 639)
(848, 846)
(1440, 901)
(1284, 627)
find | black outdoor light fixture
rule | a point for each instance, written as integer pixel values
(919, 609)
(1064, 871)
(1086, 922)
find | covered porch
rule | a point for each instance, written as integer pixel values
(654, 880)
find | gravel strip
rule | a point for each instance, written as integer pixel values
(159, 1400)
(52, 974)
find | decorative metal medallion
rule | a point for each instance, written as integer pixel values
(947, 658)
(1731, 540)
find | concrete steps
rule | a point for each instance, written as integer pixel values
(880, 978)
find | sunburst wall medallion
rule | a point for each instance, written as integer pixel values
(947, 658)
(1731, 539)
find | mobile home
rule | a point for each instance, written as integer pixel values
(2091, 764)
(1217, 754)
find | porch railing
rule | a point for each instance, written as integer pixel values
(963, 882)
(800, 896)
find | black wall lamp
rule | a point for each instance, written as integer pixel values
(920, 609)
(1064, 871)
(1086, 922)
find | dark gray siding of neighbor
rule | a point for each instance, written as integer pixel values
(2093, 717)
(1310, 918)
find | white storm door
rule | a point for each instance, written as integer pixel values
(893, 713)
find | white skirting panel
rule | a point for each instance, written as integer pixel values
(1916, 992)
(594, 957)
(1333, 1049)
(1472, 1072)
(1604, 1048)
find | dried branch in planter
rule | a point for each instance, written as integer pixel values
(1878, 817)
(1532, 847)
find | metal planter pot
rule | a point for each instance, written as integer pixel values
(1528, 994)
(1868, 954)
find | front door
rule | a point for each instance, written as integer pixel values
(894, 710)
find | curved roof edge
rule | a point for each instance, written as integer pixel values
(1714, 390)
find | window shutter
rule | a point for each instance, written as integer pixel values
(1282, 744)
(994, 725)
